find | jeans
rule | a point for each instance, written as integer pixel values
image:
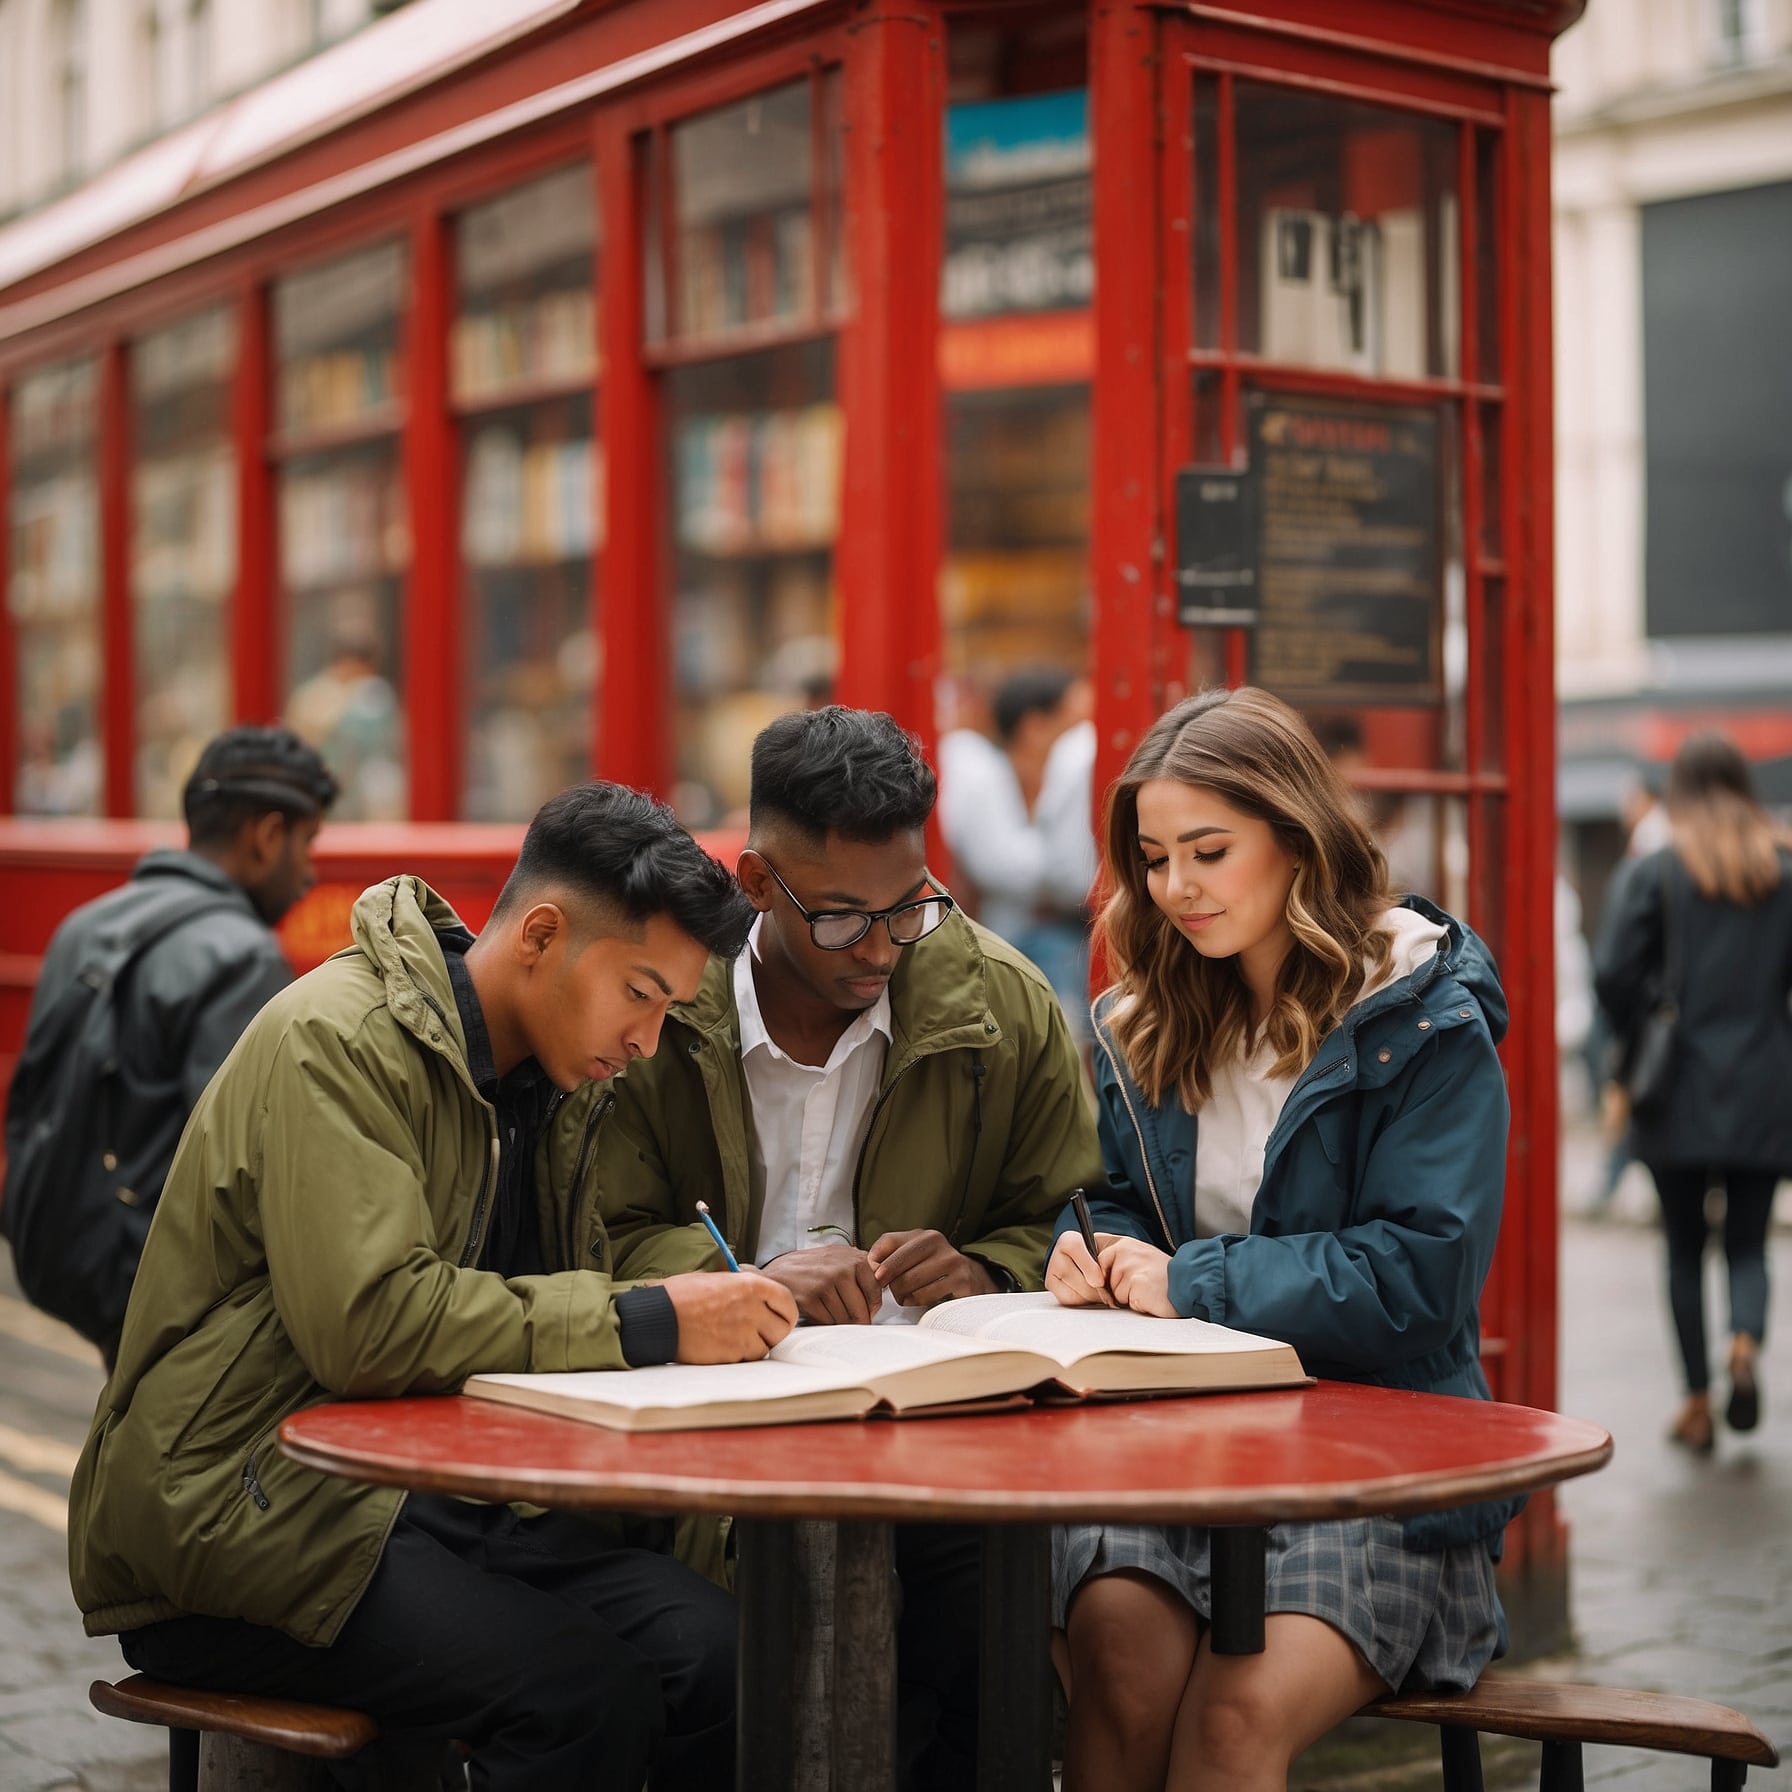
(1748, 1206)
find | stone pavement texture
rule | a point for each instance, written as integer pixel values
(1682, 1568)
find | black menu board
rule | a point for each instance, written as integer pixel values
(1352, 564)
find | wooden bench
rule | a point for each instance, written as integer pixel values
(1563, 1716)
(246, 1744)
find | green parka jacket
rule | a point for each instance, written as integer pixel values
(319, 1234)
(982, 1126)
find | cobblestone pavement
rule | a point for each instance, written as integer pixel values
(1682, 1568)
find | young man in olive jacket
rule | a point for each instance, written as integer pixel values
(371, 1200)
(881, 1104)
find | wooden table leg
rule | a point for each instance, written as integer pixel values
(1236, 1558)
(817, 1675)
(1014, 1719)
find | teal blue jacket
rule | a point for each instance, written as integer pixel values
(1375, 1222)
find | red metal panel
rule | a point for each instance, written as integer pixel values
(9, 659)
(888, 555)
(1126, 565)
(634, 728)
(117, 686)
(253, 654)
(431, 648)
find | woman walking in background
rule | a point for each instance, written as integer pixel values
(1711, 914)
(1303, 1123)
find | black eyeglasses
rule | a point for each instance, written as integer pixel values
(833, 930)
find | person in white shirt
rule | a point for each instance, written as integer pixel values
(881, 1102)
(1017, 817)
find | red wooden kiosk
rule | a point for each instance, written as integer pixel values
(508, 395)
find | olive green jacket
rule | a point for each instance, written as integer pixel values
(982, 1125)
(319, 1234)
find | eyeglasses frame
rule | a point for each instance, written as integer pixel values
(869, 917)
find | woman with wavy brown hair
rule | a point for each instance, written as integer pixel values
(1303, 1124)
(1711, 915)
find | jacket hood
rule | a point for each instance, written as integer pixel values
(394, 925)
(1462, 960)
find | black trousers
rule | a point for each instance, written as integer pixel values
(561, 1659)
(940, 1567)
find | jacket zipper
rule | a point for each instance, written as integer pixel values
(599, 1109)
(877, 1107)
(251, 1485)
(1144, 1153)
(471, 1248)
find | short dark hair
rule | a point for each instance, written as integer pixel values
(853, 772)
(248, 772)
(628, 855)
(1036, 690)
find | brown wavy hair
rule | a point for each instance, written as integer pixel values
(1177, 1014)
(1727, 841)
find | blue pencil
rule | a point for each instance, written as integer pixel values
(715, 1232)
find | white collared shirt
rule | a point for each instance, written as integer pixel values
(809, 1123)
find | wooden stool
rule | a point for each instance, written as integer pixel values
(1563, 1716)
(246, 1744)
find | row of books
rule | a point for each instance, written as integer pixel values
(54, 411)
(322, 391)
(185, 538)
(548, 336)
(55, 548)
(761, 480)
(342, 523)
(527, 505)
(750, 270)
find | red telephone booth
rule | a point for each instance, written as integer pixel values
(509, 399)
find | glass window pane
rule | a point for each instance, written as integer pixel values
(344, 530)
(53, 590)
(337, 330)
(742, 188)
(531, 484)
(1019, 218)
(524, 263)
(529, 508)
(183, 549)
(1347, 235)
(755, 458)
(344, 549)
(1014, 588)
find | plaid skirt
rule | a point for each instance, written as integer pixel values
(1422, 1619)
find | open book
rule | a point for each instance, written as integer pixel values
(964, 1350)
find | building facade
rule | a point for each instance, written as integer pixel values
(1673, 296)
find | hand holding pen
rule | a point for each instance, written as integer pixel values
(1075, 1274)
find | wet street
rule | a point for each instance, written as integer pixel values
(1682, 1568)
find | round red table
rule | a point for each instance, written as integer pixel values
(816, 1604)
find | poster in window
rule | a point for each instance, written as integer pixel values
(1350, 499)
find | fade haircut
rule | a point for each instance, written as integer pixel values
(246, 773)
(629, 859)
(851, 772)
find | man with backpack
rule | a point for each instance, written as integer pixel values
(142, 994)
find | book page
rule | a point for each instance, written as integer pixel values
(673, 1396)
(909, 1366)
(1073, 1336)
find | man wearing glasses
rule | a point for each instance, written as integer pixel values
(883, 1107)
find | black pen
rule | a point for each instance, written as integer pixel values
(1079, 1205)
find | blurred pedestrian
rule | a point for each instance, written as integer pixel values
(1017, 816)
(142, 994)
(1697, 947)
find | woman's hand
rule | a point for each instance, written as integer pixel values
(1074, 1276)
(1137, 1275)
